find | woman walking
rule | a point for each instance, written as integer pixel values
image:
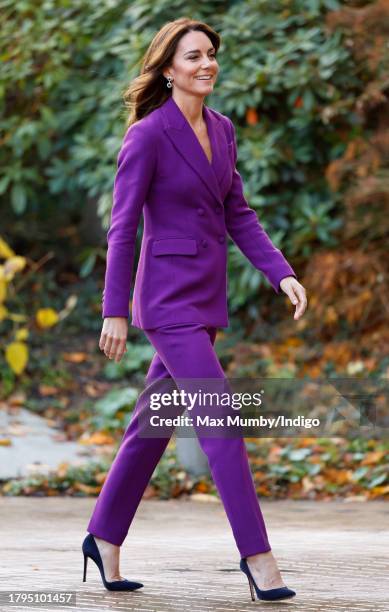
(177, 166)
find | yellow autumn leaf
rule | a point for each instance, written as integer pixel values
(21, 334)
(330, 315)
(101, 477)
(5, 250)
(17, 318)
(293, 341)
(18, 398)
(3, 312)
(14, 265)
(5, 442)
(373, 457)
(46, 317)
(75, 357)
(16, 355)
(3, 290)
(98, 437)
(88, 489)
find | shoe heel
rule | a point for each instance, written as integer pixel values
(85, 566)
(264, 594)
(90, 549)
(251, 589)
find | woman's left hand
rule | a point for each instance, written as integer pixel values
(296, 293)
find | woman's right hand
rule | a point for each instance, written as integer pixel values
(113, 337)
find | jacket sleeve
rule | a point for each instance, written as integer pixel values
(248, 234)
(135, 168)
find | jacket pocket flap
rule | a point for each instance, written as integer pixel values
(174, 246)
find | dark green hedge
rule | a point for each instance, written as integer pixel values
(287, 84)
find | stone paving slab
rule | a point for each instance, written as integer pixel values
(333, 554)
(34, 445)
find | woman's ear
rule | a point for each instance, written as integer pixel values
(166, 72)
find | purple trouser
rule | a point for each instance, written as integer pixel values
(182, 351)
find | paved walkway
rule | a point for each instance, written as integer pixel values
(334, 554)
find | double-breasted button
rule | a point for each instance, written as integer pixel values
(200, 211)
(204, 243)
(218, 209)
(221, 239)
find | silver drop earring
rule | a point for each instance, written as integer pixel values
(169, 82)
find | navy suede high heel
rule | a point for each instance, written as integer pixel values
(89, 548)
(268, 594)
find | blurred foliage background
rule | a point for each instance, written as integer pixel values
(306, 83)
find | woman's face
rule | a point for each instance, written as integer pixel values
(194, 57)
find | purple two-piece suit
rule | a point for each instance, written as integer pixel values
(180, 298)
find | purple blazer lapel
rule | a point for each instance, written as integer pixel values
(187, 144)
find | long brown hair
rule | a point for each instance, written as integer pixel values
(148, 91)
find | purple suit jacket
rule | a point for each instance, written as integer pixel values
(188, 207)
